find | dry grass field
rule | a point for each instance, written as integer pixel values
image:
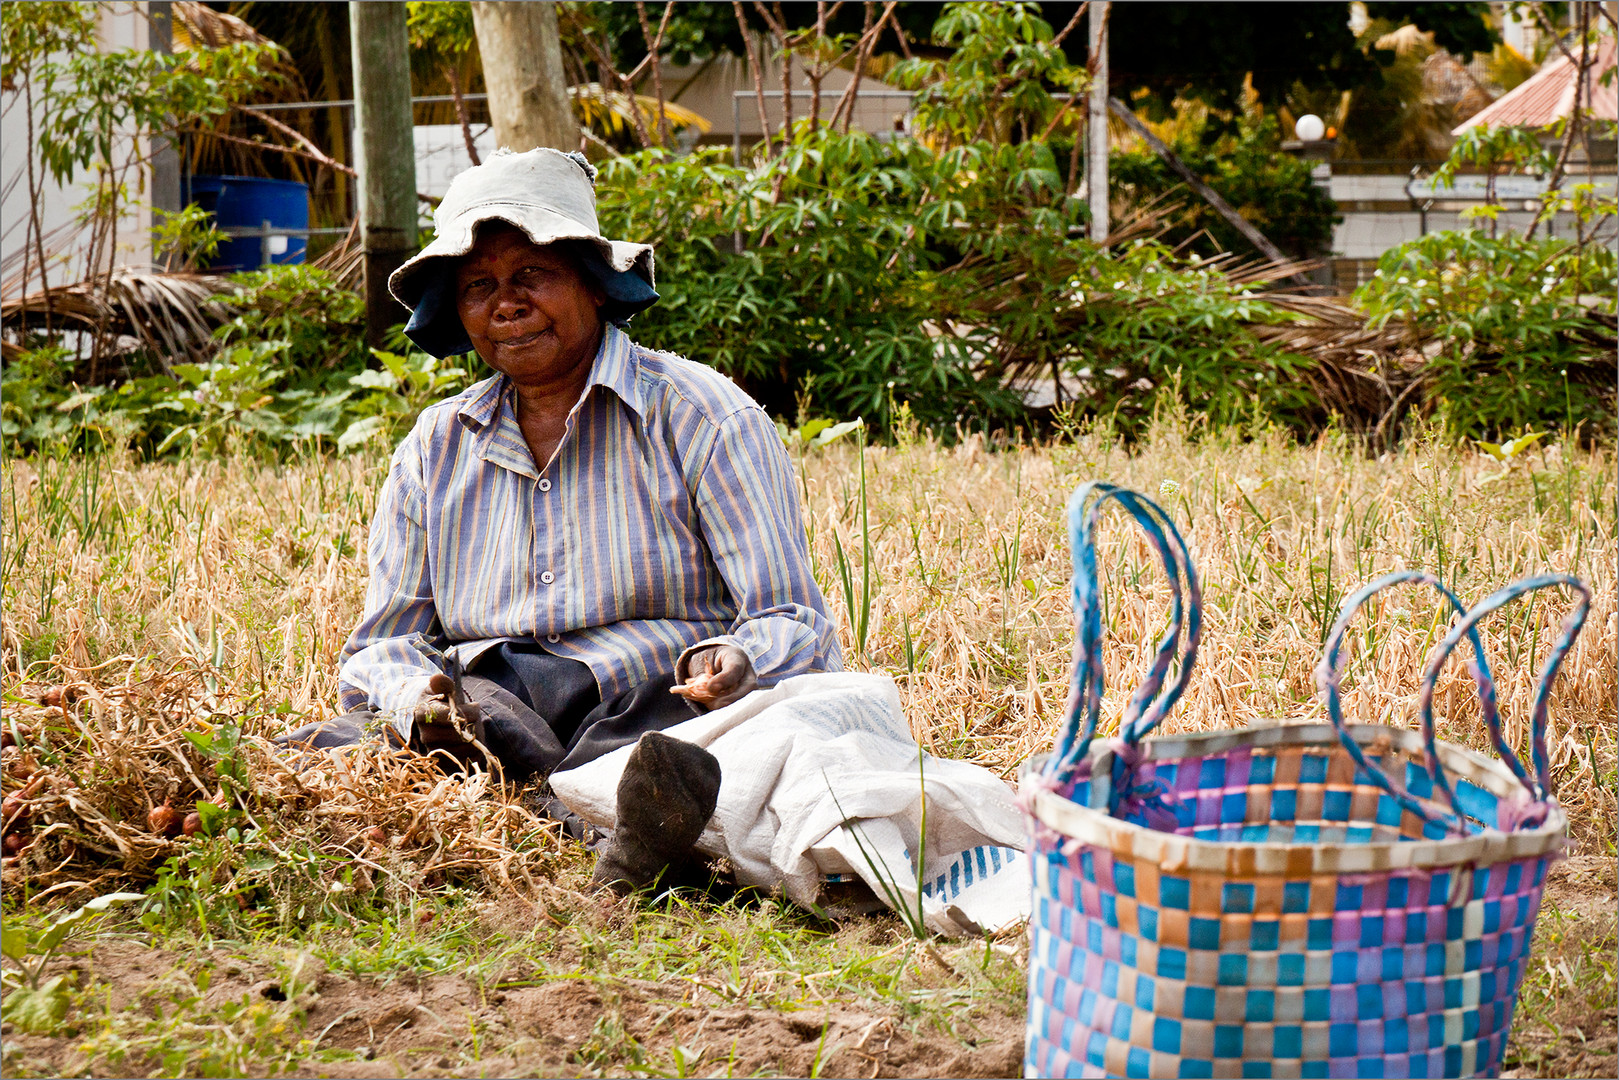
(371, 918)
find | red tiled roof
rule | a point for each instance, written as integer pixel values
(1548, 94)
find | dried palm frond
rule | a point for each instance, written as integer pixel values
(610, 111)
(1150, 220)
(1369, 376)
(345, 260)
(54, 243)
(211, 145)
(172, 316)
(198, 26)
(1257, 270)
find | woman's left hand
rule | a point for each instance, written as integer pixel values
(717, 676)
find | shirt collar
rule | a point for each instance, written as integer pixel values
(615, 368)
(481, 408)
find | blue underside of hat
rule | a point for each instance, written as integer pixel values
(436, 328)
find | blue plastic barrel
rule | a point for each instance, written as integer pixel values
(247, 202)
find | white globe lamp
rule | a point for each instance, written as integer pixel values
(1310, 128)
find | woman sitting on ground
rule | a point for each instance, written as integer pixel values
(604, 539)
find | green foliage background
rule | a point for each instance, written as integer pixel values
(853, 274)
(886, 272)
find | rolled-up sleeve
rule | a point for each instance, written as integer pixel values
(748, 511)
(398, 644)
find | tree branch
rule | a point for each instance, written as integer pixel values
(1571, 124)
(863, 51)
(315, 155)
(1057, 41)
(654, 44)
(757, 71)
(609, 73)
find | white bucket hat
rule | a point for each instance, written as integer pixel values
(548, 194)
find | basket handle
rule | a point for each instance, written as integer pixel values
(1152, 700)
(1539, 789)
(1329, 674)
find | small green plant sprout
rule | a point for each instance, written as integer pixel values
(858, 603)
(686, 1059)
(814, 434)
(1512, 447)
(824, 1053)
(33, 1002)
(1506, 453)
(915, 917)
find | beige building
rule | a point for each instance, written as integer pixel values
(723, 92)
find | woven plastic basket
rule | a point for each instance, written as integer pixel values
(1306, 900)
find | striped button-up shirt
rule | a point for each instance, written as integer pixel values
(668, 518)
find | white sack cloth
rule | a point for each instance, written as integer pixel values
(821, 765)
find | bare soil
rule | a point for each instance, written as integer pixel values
(1567, 1024)
(444, 1026)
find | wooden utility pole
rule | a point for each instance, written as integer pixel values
(387, 154)
(1096, 123)
(522, 66)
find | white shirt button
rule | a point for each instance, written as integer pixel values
(547, 577)
(553, 638)
(545, 483)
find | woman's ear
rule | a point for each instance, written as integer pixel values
(582, 259)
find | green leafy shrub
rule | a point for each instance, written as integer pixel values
(395, 393)
(1149, 324)
(938, 270)
(874, 271)
(291, 367)
(321, 321)
(999, 80)
(836, 285)
(31, 388)
(1525, 328)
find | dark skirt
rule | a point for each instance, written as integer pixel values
(542, 714)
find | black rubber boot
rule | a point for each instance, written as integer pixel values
(665, 798)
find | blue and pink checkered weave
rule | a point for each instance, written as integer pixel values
(1293, 901)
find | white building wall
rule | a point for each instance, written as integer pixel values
(65, 239)
(1366, 233)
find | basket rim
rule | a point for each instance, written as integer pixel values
(1247, 859)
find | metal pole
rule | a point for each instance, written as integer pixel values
(736, 155)
(165, 159)
(1096, 128)
(265, 258)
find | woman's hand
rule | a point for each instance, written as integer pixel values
(717, 676)
(435, 716)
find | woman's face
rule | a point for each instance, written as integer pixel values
(530, 311)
